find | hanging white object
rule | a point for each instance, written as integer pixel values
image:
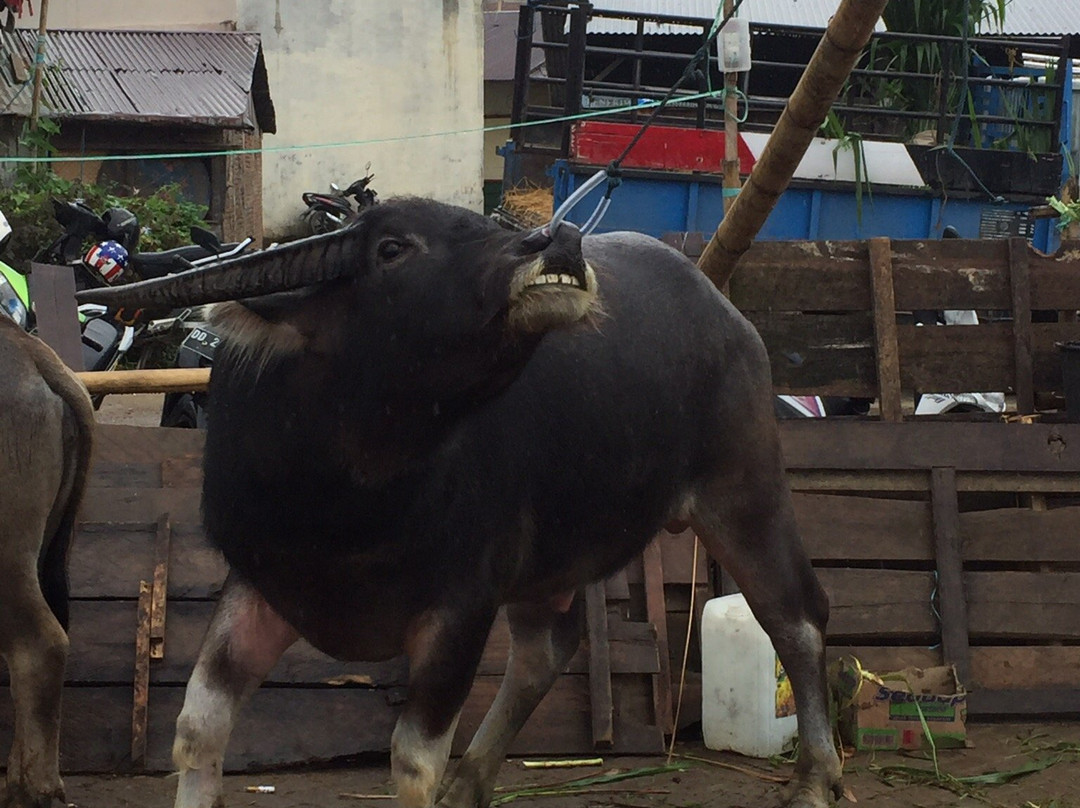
(747, 705)
(733, 46)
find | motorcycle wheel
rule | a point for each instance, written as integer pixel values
(320, 222)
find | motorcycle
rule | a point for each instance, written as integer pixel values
(328, 212)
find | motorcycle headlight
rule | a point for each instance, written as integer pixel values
(11, 304)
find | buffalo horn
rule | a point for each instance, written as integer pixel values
(291, 266)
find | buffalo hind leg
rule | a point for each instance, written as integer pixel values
(444, 646)
(35, 647)
(748, 525)
(542, 641)
(243, 643)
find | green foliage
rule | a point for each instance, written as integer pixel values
(165, 217)
(833, 128)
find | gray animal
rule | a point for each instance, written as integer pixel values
(423, 418)
(46, 428)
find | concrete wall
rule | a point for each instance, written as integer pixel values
(153, 15)
(343, 71)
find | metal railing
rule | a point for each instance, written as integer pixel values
(587, 71)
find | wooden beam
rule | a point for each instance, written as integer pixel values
(656, 611)
(159, 594)
(886, 349)
(161, 380)
(141, 690)
(1041, 701)
(950, 572)
(1020, 285)
(600, 698)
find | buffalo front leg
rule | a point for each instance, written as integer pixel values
(243, 643)
(444, 646)
(542, 641)
(749, 527)
(35, 647)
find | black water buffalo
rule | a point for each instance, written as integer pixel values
(46, 429)
(423, 418)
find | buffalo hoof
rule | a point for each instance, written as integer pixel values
(806, 794)
(18, 797)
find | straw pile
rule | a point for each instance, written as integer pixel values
(529, 203)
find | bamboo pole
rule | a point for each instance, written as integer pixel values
(163, 380)
(847, 34)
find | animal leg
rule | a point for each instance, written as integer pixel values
(542, 640)
(444, 648)
(35, 647)
(243, 643)
(747, 522)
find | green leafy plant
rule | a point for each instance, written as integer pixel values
(833, 128)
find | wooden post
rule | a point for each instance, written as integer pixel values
(950, 572)
(885, 344)
(159, 595)
(1020, 286)
(141, 694)
(732, 183)
(156, 380)
(601, 702)
(656, 610)
(848, 32)
(39, 66)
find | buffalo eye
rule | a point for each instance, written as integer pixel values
(391, 249)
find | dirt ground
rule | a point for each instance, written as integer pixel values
(737, 782)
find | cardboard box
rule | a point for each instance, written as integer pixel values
(882, 712)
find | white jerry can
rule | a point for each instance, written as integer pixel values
(747, 703)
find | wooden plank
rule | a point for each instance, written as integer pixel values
(823, 443)
(141, 679)
(878, 604)
(993, 667)
(139, 506)
(106, 474)
(109, 562)
(825, 353)
(120, 443)
(52, 288)
(1022, 535)
(182, 472)
(278, 726)
(1020, 285)
(601, 707)
(869, 482)
(803, 276)
(886, 350)
(1027, 702)
(956, 359)
(677, 554)
(950, 568)
(617, 586)
(159, 593)
(846, 528)
(656, 610)
(1054, 279)
(1023, 605)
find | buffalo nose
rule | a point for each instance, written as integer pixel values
(537, 241)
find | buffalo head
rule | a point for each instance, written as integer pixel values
(433, 295)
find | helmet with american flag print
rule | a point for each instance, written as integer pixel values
(109, 259)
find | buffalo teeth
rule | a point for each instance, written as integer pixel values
(565, 280)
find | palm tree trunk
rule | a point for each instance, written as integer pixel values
(848, 32)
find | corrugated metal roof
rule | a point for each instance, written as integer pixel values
(799, 13)
(1046, 17)
(213, 78)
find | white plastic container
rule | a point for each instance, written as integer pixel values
(747, 706)
(733, 45)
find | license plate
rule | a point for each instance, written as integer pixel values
(202, 341)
